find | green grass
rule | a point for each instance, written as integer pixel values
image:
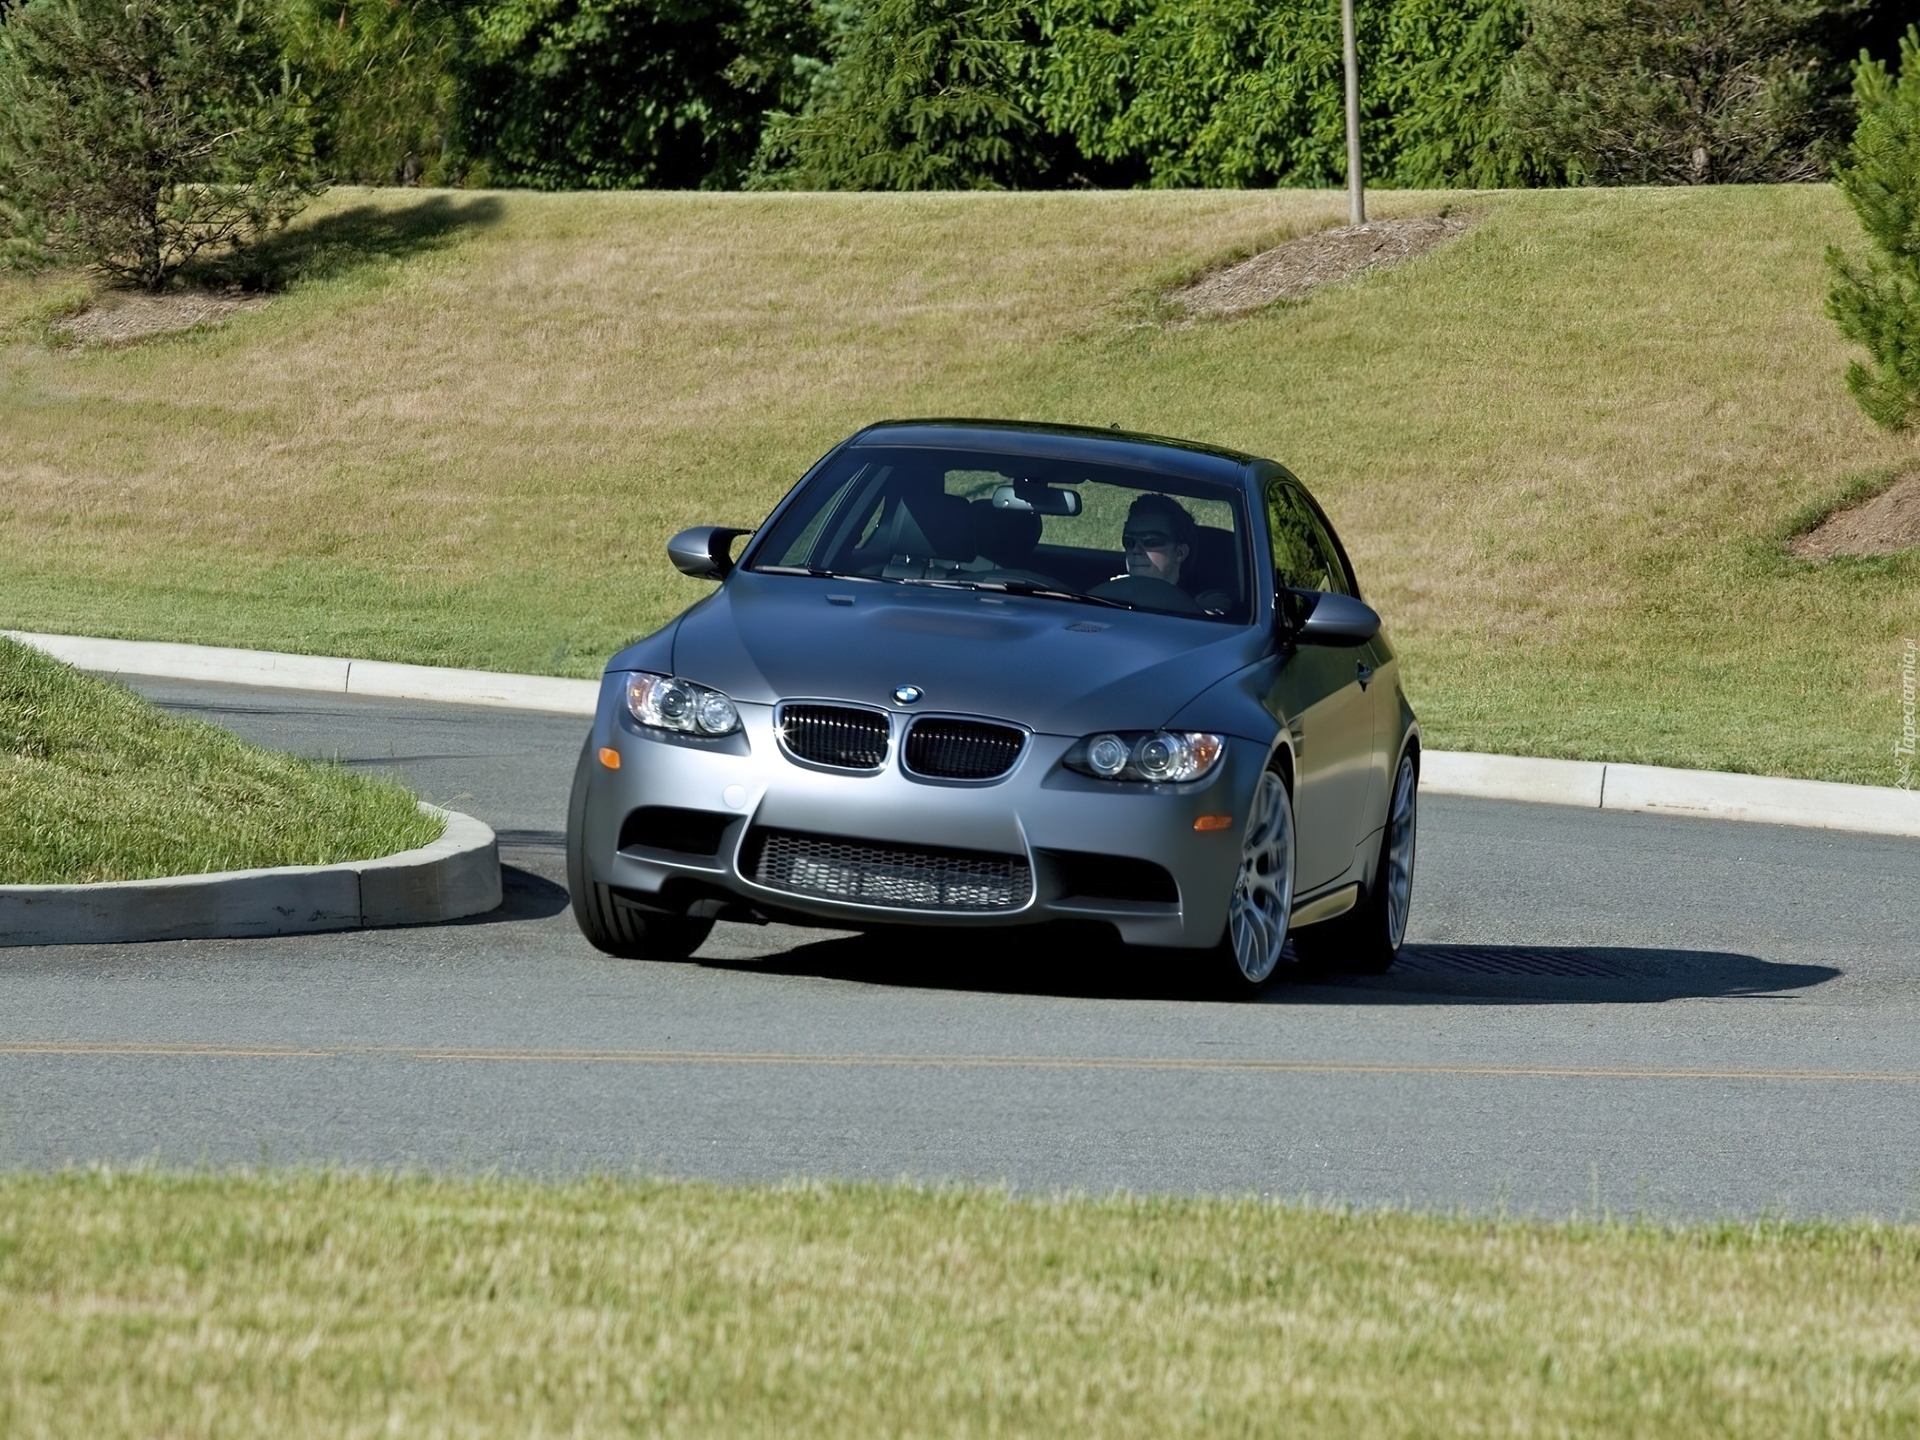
(335, 1304)
(30, 306)
(1566, 449)
(98, 784)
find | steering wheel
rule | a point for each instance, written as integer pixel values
(1029, 577)
(1148, 594)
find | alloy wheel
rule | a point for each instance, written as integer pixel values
(1262, 904)
(1400, 837)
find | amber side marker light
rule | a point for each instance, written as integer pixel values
(609, 757)
(1213, 822)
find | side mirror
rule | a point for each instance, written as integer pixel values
(704, 552)
(1337, 620)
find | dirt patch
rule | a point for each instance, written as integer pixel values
(120, 317)
(1289, 271)
(1888, 522)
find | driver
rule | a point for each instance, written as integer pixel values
(1157, 538)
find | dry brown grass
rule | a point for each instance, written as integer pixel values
(1567, 448)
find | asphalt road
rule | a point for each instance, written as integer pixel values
(1660, 1016)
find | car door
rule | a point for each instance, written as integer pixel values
(1319, 695)
(1377, 668)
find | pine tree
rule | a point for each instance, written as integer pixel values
(925, 95)
(1673, 92)
(1876, 302)
(136, 135)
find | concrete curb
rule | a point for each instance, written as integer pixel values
(317, 672)
(1591, 784)
(455, 876)
(1711, 794)
(1512, 777)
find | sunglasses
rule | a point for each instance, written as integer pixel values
(1146, 540)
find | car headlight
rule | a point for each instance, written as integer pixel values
(1165, 757)
(667, 703)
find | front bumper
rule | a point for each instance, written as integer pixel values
(1038, 811)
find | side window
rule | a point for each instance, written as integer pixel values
(1304, 555)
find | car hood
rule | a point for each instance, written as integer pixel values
(1055, 666)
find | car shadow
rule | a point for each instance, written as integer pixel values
(524, 895)
(1085, 967)
(1567, 975)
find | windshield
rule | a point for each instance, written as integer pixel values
(1055, 528)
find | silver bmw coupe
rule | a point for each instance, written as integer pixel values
(989, 674)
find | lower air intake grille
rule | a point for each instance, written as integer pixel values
(836, 735)
(1112, 877)
(962, 749)
(904, 877)
(661, 827)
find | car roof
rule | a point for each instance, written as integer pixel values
(1124, 448)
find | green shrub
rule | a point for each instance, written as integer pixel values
(136, 135)
(1876, 302)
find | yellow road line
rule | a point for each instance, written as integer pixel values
(189, 1051)
(1196, 1064)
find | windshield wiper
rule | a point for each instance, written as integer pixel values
(1048, 592)
(1022, 588)
(819, 574)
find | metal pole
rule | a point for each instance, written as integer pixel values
(1356, 186)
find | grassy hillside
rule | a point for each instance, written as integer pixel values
(98, 784)
(1565, 449)
(297, 1305)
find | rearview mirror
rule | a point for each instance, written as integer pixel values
(704, 552)
(1336, 620)
(1037, 496)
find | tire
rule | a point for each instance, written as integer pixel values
(607, 924)
(1262, 903)
(1366, 940)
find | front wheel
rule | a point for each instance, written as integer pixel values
(608, 925)
(1262, 903)
(633, 934)
(1366, 940)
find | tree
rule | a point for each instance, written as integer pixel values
(1250, 92)
(384, 79)
(139, 134)
(1876, 303)
(1214, 92)
(617, 94)
(1674, 92)
(923, 95)
(1444, 64)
